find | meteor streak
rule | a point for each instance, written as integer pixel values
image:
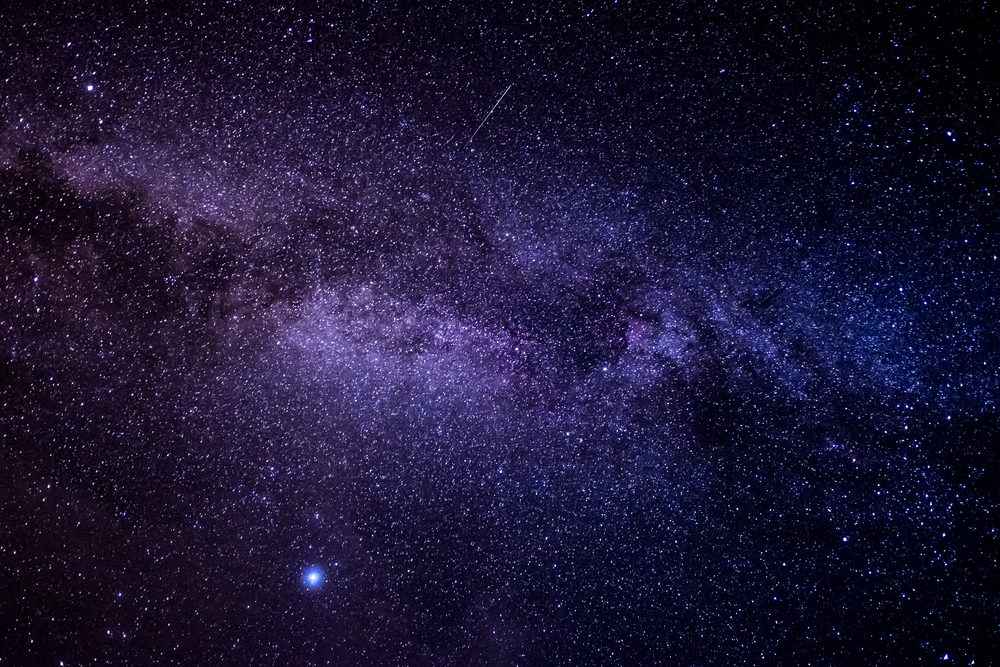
(487, 116)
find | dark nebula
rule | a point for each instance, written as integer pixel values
(619, 333)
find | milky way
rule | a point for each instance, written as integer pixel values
(443, 335)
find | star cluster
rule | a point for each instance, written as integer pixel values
(435, 334)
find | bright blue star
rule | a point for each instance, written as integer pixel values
(313, 577)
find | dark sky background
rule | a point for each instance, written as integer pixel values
(687, 356)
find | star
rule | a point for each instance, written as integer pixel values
(313, 577)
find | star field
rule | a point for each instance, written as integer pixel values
(434, 334)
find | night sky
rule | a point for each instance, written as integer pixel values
(414, 334)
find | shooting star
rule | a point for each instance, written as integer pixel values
(487, 116)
